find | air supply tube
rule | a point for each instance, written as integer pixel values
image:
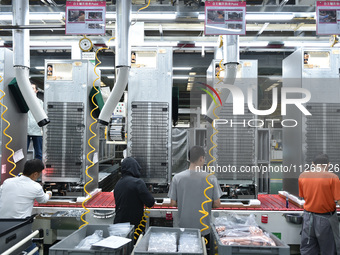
(21, 60)
(123, 59)
(231, 59)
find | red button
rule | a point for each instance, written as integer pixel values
(264, 218)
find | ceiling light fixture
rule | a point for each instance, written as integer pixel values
(254, 44)
(154, 16)
(181, 68)
(106, 67)
(270, 16)
(180, 77)
(46, 16)
(306, 44)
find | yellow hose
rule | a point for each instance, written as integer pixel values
(4, 132)
(210, 186)
(89, 141)
(142, 223)
(140, 10)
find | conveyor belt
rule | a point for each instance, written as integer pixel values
(106, 200)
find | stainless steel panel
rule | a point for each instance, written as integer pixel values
(236, 145)
(318, 132)
(149, 114)
(292, 138)
(66, 138)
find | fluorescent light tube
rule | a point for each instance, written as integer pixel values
(254, 44)
(181, 68)
(270, 16)
(183, 77)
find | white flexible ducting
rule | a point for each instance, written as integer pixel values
(123, 59)
(116, 94)
(123, 21)
(19, 244)
(21, 60)
(230, 60)
(230, 76)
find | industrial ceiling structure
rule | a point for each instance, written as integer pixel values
(274, 29)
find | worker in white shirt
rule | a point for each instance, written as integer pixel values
(17, 194)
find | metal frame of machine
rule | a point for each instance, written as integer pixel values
(149, 113)
(68, 104)
(319, 131)
(242, 141)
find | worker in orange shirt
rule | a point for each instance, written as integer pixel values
(320, 189)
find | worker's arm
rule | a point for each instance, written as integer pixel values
(173, 203)
(145, 194)
(216, 203)
(43, 197)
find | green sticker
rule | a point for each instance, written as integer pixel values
(278, 235)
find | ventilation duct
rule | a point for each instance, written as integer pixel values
(231, 58)
(21, 60)
(123, 59)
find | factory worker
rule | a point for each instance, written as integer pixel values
(320, 189)
(187, 192)
(17, 194)
(131, 194)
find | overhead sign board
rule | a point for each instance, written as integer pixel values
(327, 17)
(225, 18)
(85, 17)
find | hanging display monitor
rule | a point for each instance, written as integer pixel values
(85, 17)
(327, 17)
(225, 18)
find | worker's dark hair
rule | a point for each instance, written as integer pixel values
(321, 159)
(195, 153)
(81, 12)
(33, 165)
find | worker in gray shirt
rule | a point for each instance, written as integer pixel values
(187, 192)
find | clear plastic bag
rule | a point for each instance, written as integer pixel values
(163, 242)
(236, 229)
(234, 220)
(87, 242)
(119, 229)
(253, 240)
(189, 242)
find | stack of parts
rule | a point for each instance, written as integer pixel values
(189, 242)
(167, 242)
(237, 230)
(121, 230)
(87, 242)
(163, 242)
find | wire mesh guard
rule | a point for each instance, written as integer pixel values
(235, 144)
(149, 138)
(64, 140)
(322, 132)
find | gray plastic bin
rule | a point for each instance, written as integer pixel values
(142, 247)
(218, 247)
(68, 244)
(13, 231)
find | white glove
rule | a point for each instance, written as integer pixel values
(49, 193)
